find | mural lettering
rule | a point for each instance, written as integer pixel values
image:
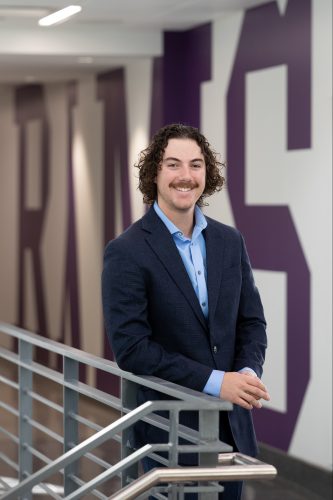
(281, 39)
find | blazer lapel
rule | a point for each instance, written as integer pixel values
(162, 244)
(215, 245)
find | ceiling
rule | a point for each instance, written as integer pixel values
(105, 34)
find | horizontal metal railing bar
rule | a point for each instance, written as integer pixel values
(160, 422)
(80, 483)
(189, 474)
(85, 421)
(10, 435)
(33, 367)
(8, 355)
(159, 459)
(9, 382)
(97, 460)
(202, 448)
(9, 408)
(115, 469)
(87, 445)
(212, 487)
(237, 458)
(100, 396)
(187, 400)
(45, 430)
(92, 393)
(39, 455)
(47, 402)
(57, 377)
(9, 462)
(166, 387)
(163, 423)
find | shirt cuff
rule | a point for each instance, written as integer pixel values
(214, 383)
(248, 370)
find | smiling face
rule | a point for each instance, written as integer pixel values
(181, 177)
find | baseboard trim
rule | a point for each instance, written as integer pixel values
(311, 477)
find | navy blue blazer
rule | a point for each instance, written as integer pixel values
(155, 324)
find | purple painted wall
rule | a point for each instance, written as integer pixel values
(186, 64)
(111, 91)
(29, 105)
(267, 39)
(269, 231)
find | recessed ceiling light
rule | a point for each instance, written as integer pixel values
(60, 15)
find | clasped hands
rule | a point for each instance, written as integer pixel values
(243, 389)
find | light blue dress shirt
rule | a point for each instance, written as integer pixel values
(193, 254)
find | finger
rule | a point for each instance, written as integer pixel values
(250, 399)
(257, 393)
(244, 404)
(256, 382)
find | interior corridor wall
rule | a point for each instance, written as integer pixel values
(258, 84)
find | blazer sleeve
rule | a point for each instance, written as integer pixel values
(251, 339)
(125, 287)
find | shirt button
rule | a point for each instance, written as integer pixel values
(203, 304)
(215, 349)
(199, 272)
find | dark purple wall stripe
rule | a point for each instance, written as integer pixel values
(187, 63)
(29, 105)
(269, 39)
(156, 113)
(71, 291)
(111, 90)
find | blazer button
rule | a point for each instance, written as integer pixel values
(215, 349)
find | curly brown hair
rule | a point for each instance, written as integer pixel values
(151, 158)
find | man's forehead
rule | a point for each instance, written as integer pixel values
(181, 147)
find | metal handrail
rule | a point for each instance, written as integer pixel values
(99, 438)
(174, 390)
(242, 468)
(204, 441)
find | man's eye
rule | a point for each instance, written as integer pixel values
(196, 165)
(172, 165)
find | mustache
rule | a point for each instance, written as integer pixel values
(184, 184)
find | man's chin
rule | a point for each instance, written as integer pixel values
(184, 207)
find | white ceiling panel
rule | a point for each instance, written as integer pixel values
(103, 35)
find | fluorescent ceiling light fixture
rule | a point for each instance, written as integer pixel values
(60, 15)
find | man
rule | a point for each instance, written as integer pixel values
(179, 298)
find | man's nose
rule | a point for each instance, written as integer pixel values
(185, 171)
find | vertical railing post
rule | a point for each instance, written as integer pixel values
(209, 431)
(173, 453)
(128, 400)
(25, 413)
(71, 403)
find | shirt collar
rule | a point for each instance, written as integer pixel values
(200, 221)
